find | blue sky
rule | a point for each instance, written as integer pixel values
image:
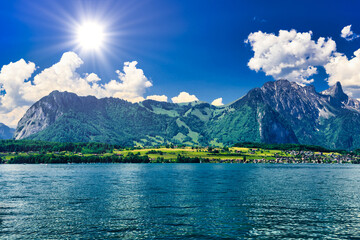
(181, 45)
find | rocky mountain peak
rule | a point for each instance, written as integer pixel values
(336, 92)
(292, 99)
(279, 84)
(284, 85)
(44, 112)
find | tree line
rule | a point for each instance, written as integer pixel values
(42, 146)
(52, 158)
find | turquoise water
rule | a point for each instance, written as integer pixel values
(179, 201)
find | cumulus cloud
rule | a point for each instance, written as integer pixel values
(346, 71)
(348, 34)
(12, 117)
(19, 91)
(159, 98)
(137, 99)
(13, 81)
(184, 97)
(217, 102)
(289, 55)
(133, 83)
(92, 77)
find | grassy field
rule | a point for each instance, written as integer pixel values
(172, 153)
(234, 153)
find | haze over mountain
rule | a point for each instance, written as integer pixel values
(278, 112)
(6, 132)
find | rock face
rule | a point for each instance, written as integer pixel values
(278, 112)
(46, 111)
(6, 132)
(337, 93)
(327, 118)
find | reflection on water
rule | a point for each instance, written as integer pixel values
(177, 201)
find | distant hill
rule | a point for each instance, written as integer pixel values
(6, 132)
(278, 112)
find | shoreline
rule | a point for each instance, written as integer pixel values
(244, 163)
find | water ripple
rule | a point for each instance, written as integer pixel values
(182, 201)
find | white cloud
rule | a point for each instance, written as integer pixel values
(184, 97)
(346, 71)
(20, 93)
(11, 118)
(61, 76)
(13, 81)
(133, 83)
(290, 55)
(348, 34)
(92, 77)
(217, 102)
(159, 98)
(137, 99)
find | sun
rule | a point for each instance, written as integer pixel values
(90, 36)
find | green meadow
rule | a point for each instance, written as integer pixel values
(233, 153)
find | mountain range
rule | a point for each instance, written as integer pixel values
(278, 112)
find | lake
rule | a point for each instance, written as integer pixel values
(179, 201)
